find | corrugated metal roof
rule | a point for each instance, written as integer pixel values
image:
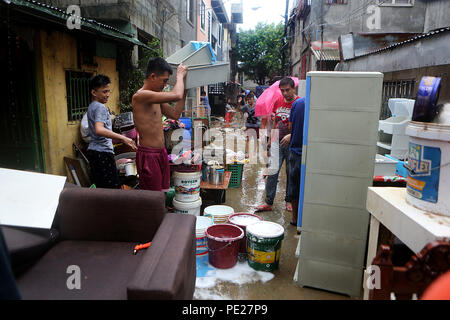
(61, 16)
(402, 43)
(327, 54)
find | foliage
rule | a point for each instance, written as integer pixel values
(136, 75)
(259, 52)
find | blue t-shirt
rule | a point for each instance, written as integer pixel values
(296, 118)
(98, 112)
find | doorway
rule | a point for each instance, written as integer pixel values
(20, 134)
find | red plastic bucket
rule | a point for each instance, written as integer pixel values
(223, 244)
(242, 220)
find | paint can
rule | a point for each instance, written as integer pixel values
(264, 245)
(192, 208)
(428, 180)
(218, 213)
(243, 220)
(187, 186)
(201, 225)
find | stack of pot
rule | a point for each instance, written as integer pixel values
(213, 173)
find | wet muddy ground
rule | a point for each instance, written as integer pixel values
(281, 286)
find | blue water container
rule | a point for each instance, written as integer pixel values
(187, 123)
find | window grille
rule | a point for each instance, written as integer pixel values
(78, 95)
(396, 89)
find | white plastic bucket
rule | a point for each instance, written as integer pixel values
(428, 181)
(200, 227)
(218, 214)
(187, 186)
(192, 208)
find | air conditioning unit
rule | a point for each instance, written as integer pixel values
(237, 13)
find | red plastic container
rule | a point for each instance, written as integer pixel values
(223, 244)
(243, 242)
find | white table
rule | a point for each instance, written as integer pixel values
(414, 227)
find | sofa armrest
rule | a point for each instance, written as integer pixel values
(168, 268)
(109, 214)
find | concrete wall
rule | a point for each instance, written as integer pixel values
(56, 54)
(352, 17)
(438, 15)
(188, 30)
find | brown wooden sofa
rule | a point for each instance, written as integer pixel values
(95, 231)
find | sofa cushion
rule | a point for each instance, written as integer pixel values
(105, 269)
(27, 245)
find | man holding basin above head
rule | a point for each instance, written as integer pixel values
(149, 104)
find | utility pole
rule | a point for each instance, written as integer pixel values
(286, 17)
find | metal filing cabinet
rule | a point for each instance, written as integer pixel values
(339, 149)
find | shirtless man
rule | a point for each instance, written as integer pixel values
(149, 104)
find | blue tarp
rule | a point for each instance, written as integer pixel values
(197, 45)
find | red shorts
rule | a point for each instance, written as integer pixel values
(153, 169)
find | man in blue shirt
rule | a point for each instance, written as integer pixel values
(296, 119)
(205, 101)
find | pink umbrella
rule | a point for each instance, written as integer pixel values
(265, 102)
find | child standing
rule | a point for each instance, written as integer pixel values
(100, 151)
(252, 123)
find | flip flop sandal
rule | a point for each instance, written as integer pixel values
(263, 207)
(289, 207)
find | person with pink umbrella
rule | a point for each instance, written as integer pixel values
(281, 101)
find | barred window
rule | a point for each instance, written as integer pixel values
(190, 10)
(203, 15)
(78, 95)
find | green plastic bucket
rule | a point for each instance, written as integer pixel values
(264, 245)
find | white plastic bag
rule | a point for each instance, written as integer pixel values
(84, 129)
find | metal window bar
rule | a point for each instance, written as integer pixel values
(78, 96)
(395, 89)
(218, 88)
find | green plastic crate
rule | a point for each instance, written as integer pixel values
(236, 174)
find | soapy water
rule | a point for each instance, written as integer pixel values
(244, 220)
(266, 229)
(207, 287)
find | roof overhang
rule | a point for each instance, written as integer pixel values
(219, 10)
(328, 51)
(423, 51)
(237, 13)
(58, 16)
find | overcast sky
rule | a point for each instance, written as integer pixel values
(268, 11)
